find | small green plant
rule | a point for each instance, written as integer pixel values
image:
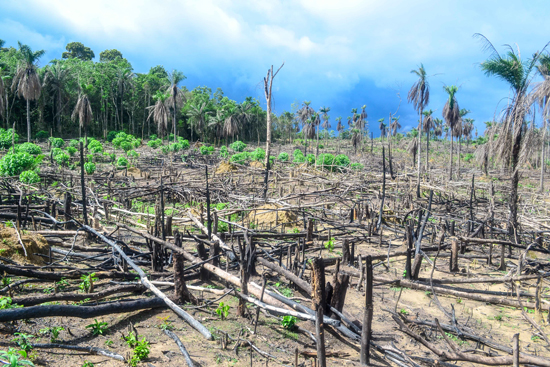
(57, 142)
(89, 168)
(6, 302)
(71, 150)
(404, 273)
(62, 159)
(329, 245)
(23, 341)
(404, 311)
(295, 230)
(283, 157)
(87, 284)
(29, 177)
(12, 357)
(98, 328)
(289, 322)
(166, 323)
(122, 162)
(109, 342)
(53, 332)
(498, 318)
(223, 152)
(206, 150)
(459, 300)
(238, 146)
(88, 364)
(141, 352)
(131, 339)
(223, 310)
(535, 338)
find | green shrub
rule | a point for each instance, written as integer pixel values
(297, 152)
(57, 142)
(468, 157)
(133, 154)
(71, 150)
(357, 166)
(153, 137)
(6, 137)
(12, 164)
(342, 160)
(223, 152)
(111, 156)
(125, 141)
(184, 143)
(238, 146)
(283, 157)
(42, 135)
(289, 322)
(154, 143)
(310, 158)
(29, 177)
(240, 158)
(122, 162)
(95, 146)
(321, 146)
(258, 155)
(29, 148)
(206, 150)
(89, 168)
(111, 135)
(326, 161)
(74, 143)
(62, 159)
(299, 159)
(171, 137)
(165, 149)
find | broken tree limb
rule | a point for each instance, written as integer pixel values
(180, 312)
(180, 345)
(91, 350)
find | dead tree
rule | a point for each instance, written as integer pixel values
(318, 302)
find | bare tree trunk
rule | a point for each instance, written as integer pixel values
(458, 163)
(419, 151)
(451, 161)
(427, 150)
(544, 127)
(28, 122)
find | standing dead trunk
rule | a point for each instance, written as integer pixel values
(451, 159)
(366, 333)
(542, 163)
(318, 300)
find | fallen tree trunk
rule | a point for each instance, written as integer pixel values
(182, 348)
(72, 274)
(82, 312)
(91, 350)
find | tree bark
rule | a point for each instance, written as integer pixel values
(318, 301)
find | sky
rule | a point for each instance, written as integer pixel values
(339, 54)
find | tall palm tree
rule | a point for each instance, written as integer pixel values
(160, 113)
(324, 125)
(83, 111)
(175, 101)
(419, 95)
(394, 126)
(340, 129)
(57, 77)
(382, 127)
(518, 74)
(428, 125)
(197, 117)
(26, 81)
(124, 80)
(451, 114)
(542, 95)
(231, 122)
(305, 112)
(355, 138)
(217, 122)
(459, 133)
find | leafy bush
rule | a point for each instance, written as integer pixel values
(283, 157)
(342, 160)
(133, 154)
(95, 146)
(223, 310)
(206, 150)
(154, 143)
(238, 146)
(299, 158)
(125, 141)
(111, 135)
(42, 135)
(122, 162)
(258, 154)
(98, 328)
(29, 148)
(89, 168)
(126, 146)
(289, 322)
(6, 137)
(71, 150)
(223, 152)
(62, 159)
(141, 352)
(112, 156)
(326, 161)
(310, 158)
(74, 143)
(184, 143)
(297, 152)
(153, 137)
(321, 146)
(240, 158)
(12, 164)
(57, 142)
(468, 157)
(29, 177)
(357, 166)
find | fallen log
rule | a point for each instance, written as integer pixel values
(181, 347)
(82, 312)
(91, 350)
(71, 274)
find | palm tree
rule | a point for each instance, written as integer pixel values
(26, 80)
(518, 74)
(340, 129)
(459, 133)
(394, 126)
(451, 114)
(382, 127)
(83, 110)
(231, 122)
(176, 95)
(438, 127)
(419, 95)
(542, 95)
(124, 81)
(325, 125)
(197, 117)
(428, 125)
(160, 113)
(57, 77)
(305, 112)
(355, 138)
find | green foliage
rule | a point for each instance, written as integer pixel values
(125, 141)
(184, 143)
(6, 302)
(223, 152)
(468, 157)
(88, 364)
(131, 339)
(133, 154)
(42, 135)
(206, 150)
(53, 332)
(87, 284)
(403, 311)
(289, 322)
(154, 143)
(57, 142)
(74, 143)
(12, 357)
(23, 341)
(79, 51)
(89, 168)
(111, 135)
(166, 324)
(297, 152)
(356, 166)
(223, 310)
(29, 177)
(30, 148)
(329, 245)
(141, 352)
(62, 158)
(283, 157)
(7, 137)
(342, 160)
(98, 328)
(310, 158)
(258, 155)
(12, 164)
(238, 146)
(95, 146)
(122, 162)
(240, 158)
(72, 151)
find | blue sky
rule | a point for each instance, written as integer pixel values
(340, 54)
